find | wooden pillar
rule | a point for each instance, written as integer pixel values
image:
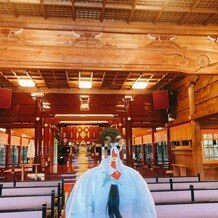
(197, 149)
(38, 131)
(154, 148)
(170, 153)
(129, 159)
(8, 149)
(191, 95)
(46, 141)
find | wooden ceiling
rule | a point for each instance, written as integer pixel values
(109, 82)
(111, 42)
(153, 11)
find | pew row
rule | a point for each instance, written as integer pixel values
(24, 213)
(43, 190)
(187, 210)
(182, 185)
(174, 179)
(29, 201)
(197, 195)
(39, 184)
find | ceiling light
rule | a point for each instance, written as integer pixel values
(37, 94)
(2, 130)
(26, 83)
(85, 84)
(84, 102)
(140, 85)
(84, 115)
(159, 128)
(46, 105)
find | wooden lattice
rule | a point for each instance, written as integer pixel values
(60, 11)
(207, 4)
(120, 2)
(147, 16)
(171, 17)
(86, 13)
(28, 9)
(116, 14)
(181, 3)
(90, 1)
(196, 18)
(150, 3)
(5, 8)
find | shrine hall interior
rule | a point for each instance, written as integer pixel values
(147, 68)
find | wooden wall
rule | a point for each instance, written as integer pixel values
(194, 111)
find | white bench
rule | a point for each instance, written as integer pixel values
(171, 196)
(174, 179)
(187, 210)
(43, 190)
(24, 213)
(183, 185)
(39, 184)
(23, 202)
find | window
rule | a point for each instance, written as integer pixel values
(148, 153)
(2, 156)
(24, 154)
(210, 145)
(14, 155)
(162, 154)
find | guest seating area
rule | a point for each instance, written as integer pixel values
(179, 197)
(31, 195)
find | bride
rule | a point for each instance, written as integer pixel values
(111, 190)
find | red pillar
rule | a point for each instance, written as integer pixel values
(8, 149)
(154, 148)
(38, 131)
(46, 141)
(129, 159)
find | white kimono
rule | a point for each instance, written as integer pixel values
(89, 196)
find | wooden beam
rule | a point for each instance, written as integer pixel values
(103, 10)
(73, 9)
(83, 92)
(43, 9)
(66, 24)
(15, 118)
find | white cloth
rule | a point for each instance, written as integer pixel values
(31, 150)
(89, 196)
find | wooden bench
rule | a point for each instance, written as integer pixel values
(174, 179)
(39, 184)
(182, 185)
(28, 201)
(43, 190)
(187, 210)
(24, 213)
(172, 196)
(191, 195)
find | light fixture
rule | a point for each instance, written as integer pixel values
(37, 94)
(85, 84)
(84, 115)
(84, 102)
(128, 97)
(159, 128)
(26, 83)
(2, 130)
(46, 105)
(139, 85)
